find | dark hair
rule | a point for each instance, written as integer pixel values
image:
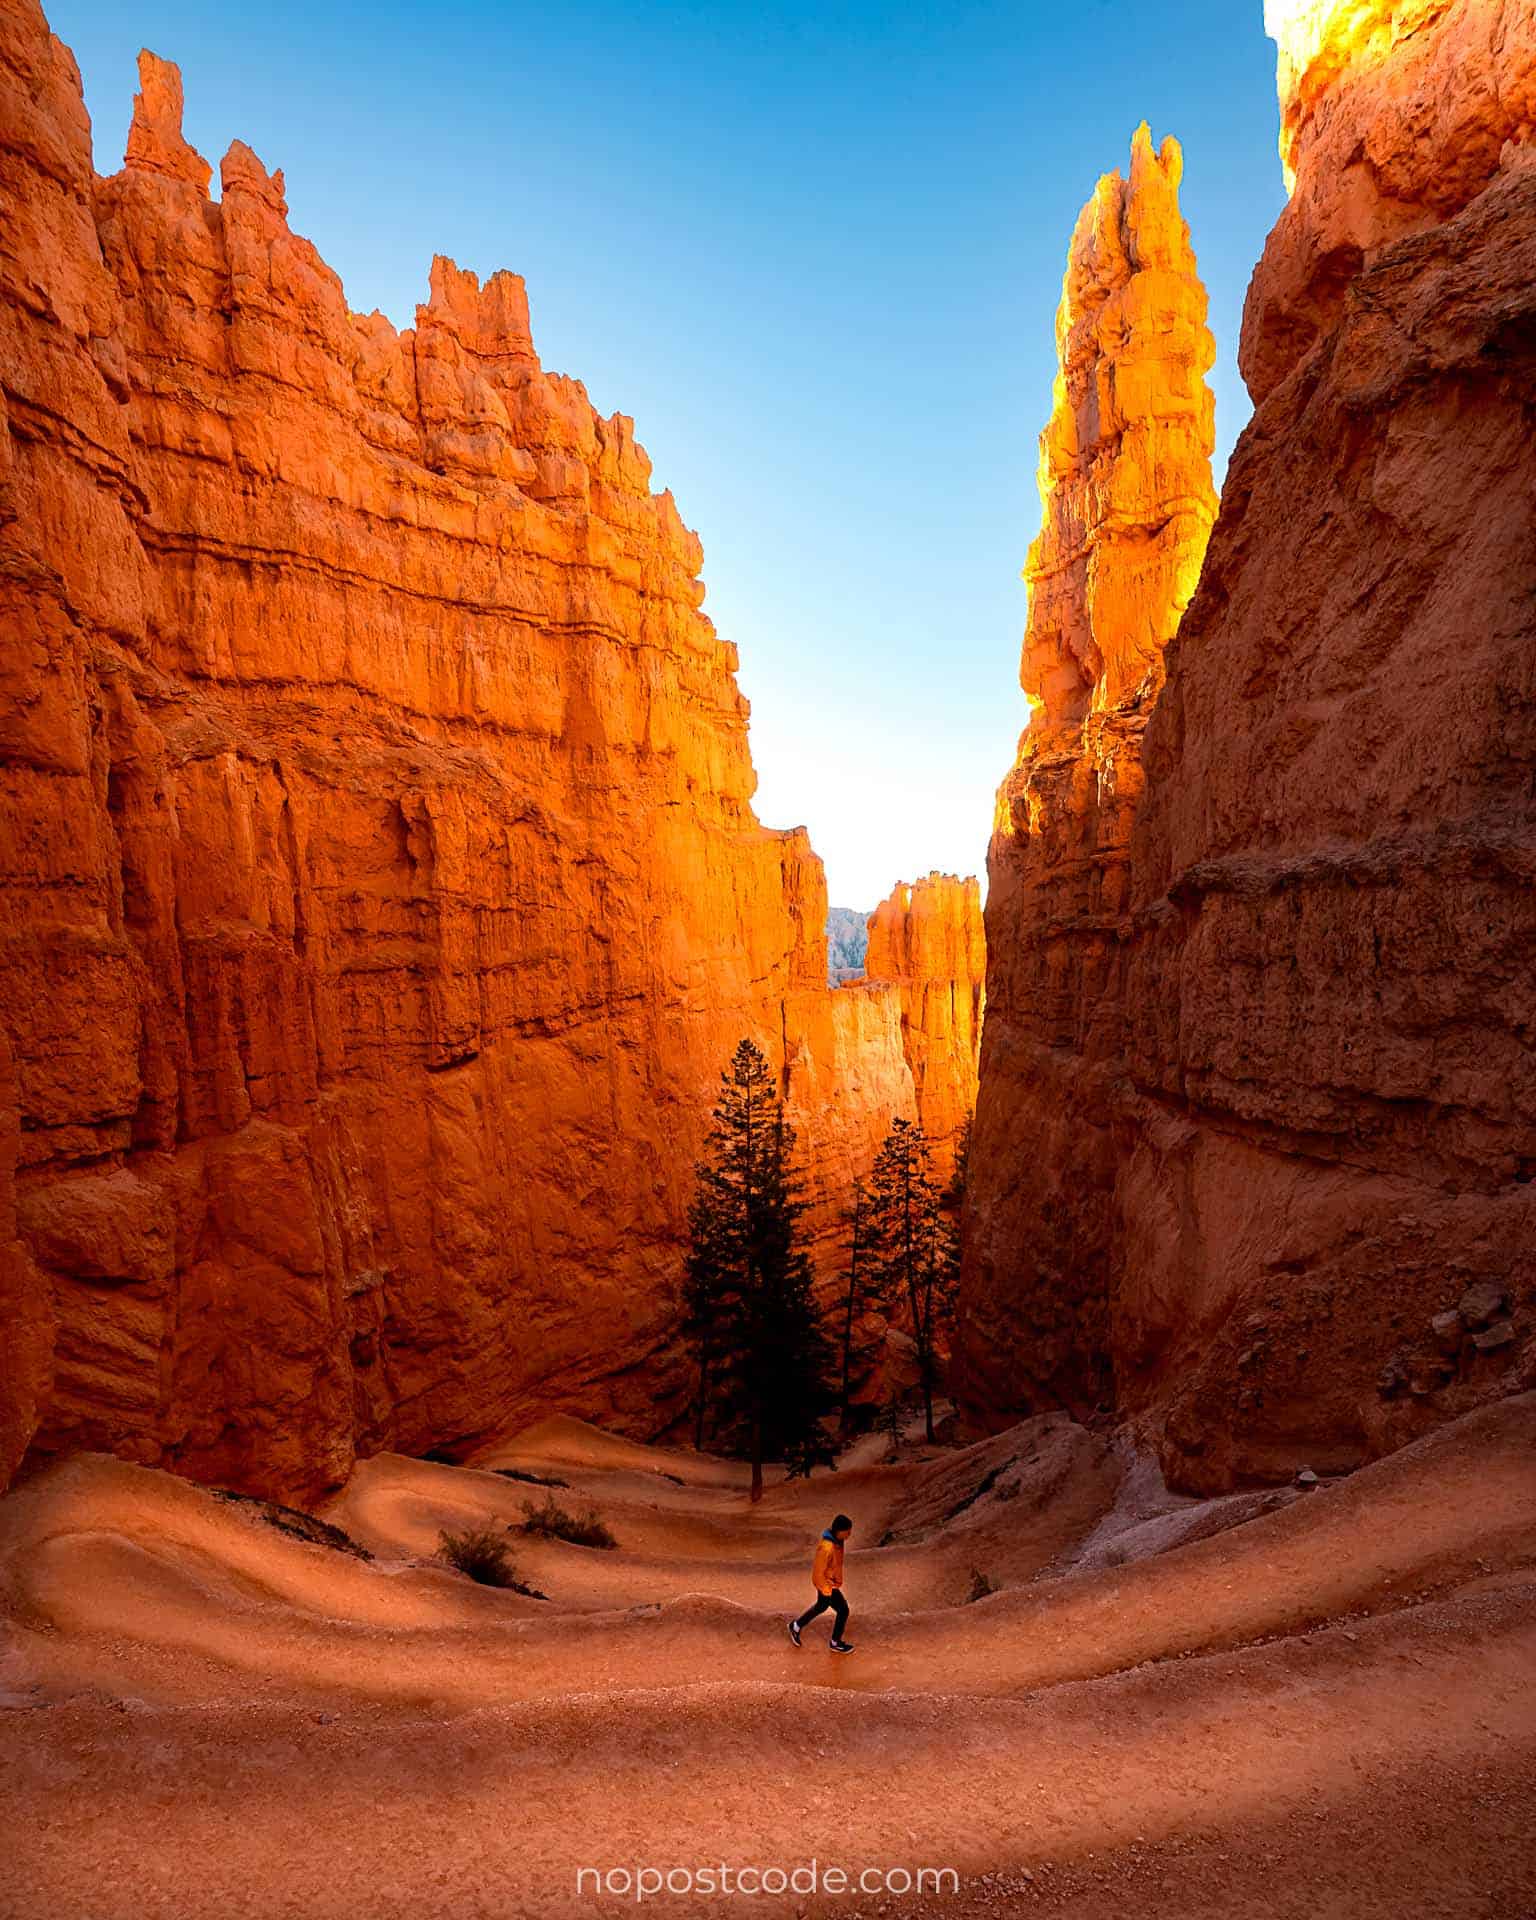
(839, 1523)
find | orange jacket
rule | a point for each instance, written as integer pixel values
(827, 1567)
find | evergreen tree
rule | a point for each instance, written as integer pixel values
(891, 1420)
(863, 1292)
(765, 1363)
(918, 1258)
(704, 1285)
(954, 1193)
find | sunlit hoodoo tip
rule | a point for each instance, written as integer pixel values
(1125, 476)
(1168, 157)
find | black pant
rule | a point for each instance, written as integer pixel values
(839, 1607)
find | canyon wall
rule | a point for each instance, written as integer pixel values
(382, 893)
(927, 939)
(1255, 1154)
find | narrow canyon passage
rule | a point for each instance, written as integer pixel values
(429, 1089)
(1235, 1706)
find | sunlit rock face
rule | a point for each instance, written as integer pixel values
(1127, 505)
(1125, 459)
(1394, 115)
(927, 938)
(382, 890)
(1305, 1230)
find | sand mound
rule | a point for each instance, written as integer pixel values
(1347, 1679)
(561, 1441)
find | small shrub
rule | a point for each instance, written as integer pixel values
(981, 1586)
(482, 1554)
(560, 1523)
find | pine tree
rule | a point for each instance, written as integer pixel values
(704, 1284)
(891, 1420)
(764, 1360)
(863, 1292)
(918, 1258)
(954, 1193)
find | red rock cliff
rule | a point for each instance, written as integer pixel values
(1125, 486)
(927, 938)
(382, 891)
(1302, 1089)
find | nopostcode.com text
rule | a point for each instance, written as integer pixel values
(724, 1881)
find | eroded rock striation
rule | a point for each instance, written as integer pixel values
(1294, 1220)
(927, 939)
(1127, 505)
(382, 890)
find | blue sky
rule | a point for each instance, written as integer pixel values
(815, 250)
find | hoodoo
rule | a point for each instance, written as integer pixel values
(382, 892)
(1127, 502)
(1257, 1122)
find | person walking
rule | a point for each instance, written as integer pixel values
(827, 1578)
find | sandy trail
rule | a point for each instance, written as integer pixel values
(1329, 1708)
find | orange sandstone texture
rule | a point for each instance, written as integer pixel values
(381, 888)
(927, 938)
(1125, 458)
(1305, 1230)
(1394, 116)
(1127, 501)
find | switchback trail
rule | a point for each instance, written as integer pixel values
(1274, 1704)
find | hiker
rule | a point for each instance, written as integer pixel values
(827, 1578)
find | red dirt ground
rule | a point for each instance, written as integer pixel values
(1325, 1708)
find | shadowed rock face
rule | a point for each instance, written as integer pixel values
(382, 890)
(1299, 1085)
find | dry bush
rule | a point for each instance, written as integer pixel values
(482, 1553)
(560, 1523)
